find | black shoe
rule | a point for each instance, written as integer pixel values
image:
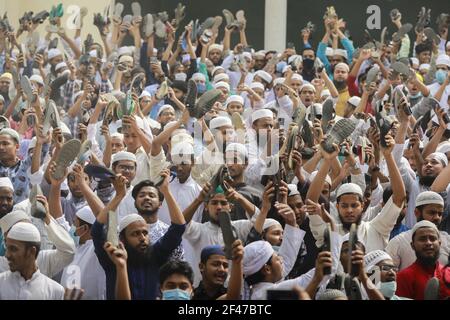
(191, 96)
(307, 135)
(37, 207)
(40, 17)
(404, 29)
(384, 125)
(53, 44)
(432, 289)
(352, 288)
(206, 102)
(327, 114)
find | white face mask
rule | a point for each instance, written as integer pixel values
(181, 76)
(388, 288)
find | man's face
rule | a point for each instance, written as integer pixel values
(432, 213)
(8, 147)
(58, 59)
(184, 170)
(117, 145)
(309, 54)
(266, 123)
(412, 87)
(4, 85)
(235, 107)
(178, 94)
(147, 200)
(224, 95)
(215, 271)
(307, 96)
(345, 256)
(224, 134)
(6, 201)
(334, 60)
(214, 55)
(74, 187)
(296, 204)
(349, 208)
(235, 164)
(432, 167)
(177, 281)
(136, 236)
(388, 270)
(340, 74)
(296, 84)
(127, 168)
(216, 204)
(166, 116)
(276, 268)
(274, 235)
(424, 57)
(260, 62)
(18, 255)
(426, 244)
(131, 140)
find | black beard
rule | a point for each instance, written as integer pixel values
(143, 212)
(427, 180)
(427, 261)
(340, 85)
(134, 256)
(347, 225)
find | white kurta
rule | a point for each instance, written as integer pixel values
(92, 276)
(126, 206)
(14, 287)
(399, 248)
(143, 166)
(51, 262)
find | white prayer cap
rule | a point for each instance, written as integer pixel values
(93, 53)
(215, 46)
(24, 231)
(37, 78)
(440, 157)
(261, 113)
(256, 255)
(374, 257)
(218, 122)
(145, 94)
(123, 59)
(140, 122)
(86, 215)
(256, 85)
(12, 133)
(53, 53)
(129, 219)
(429, 197)
(260, 54)
(222, 84)
(343, 66)
(296, 76)
(164, 108)
(414, 61)
(234, 98)
(247, 55)
(237, 147)
(270, 223)
(278, 81)
(424, 67)
(349, 188)
(292, 190)
(124, 51)
(354, 101)
(117, 135)
(5, 182)
(217, 69)
(443, 147)
(264, 75)
(443, 59)
(198, 77)
(221, 77)
(12, 218)
(332, 294)
(424, 224)
(329, 52)
(123, 155)
(182, 137)
(325, 93)
(60, 65)
(181, 149)
(340, 52)
(314, 174)
(294, 57)
(307, 86)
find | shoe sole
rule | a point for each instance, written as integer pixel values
(162, 91)
(206, 102)
(384, 126)
(37, 208)
(327, 114)
(229, 18)
(160, 29)
(431, 35)
(307, 134)
(83, 155)
(432, 289)
(372, 75)
(148, 25)
(27, 88)
(404, 29)
(118, 10)
(136, 9)
(340, 131)
(68, 153)
(191, 95)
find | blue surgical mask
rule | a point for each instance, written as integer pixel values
(201, 87)
(440, 76)
(415, 96)
(74, 236)
(176, 294)
(280, 66)
(388, 288)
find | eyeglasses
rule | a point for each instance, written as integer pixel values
(126, 168)
(387, 267)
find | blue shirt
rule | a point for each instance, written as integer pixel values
(143, 277)
(397, 230)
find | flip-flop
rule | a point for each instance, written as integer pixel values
(338, 133)
(207, 24)
(229, 18)
(179, 14)
(328, 114)
(443, 21)
(51, 117)
(240, 18)
(191, 96)
(136, 9)
(404, 29)
(99, 172)
(431, 35)
(27, 88)
(118, 10)
(160, 29)
(40, 17)
(352, 288)
(432, 289)
(290, 145)
(394, 14)
(67, 155)
(400, 68)
(384, 125)
(162, 91)
(148, 25)
(206, 102)
(217, 23)
(372, 75)
(128, 18)
(84, 153)
(307, 134)
(53, 44)
(37, 207)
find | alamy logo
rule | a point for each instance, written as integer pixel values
(374, 20)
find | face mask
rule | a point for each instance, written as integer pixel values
(415, 96)
(201, 87)
(176, 294)
(280, 66)
(308, 63)
(74, 236)
(181, 76)
(388, 288)
(440, 76)
(185, 59)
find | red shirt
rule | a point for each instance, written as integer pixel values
(411, 282)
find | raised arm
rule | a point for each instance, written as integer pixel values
(396, 181)
(176, 217)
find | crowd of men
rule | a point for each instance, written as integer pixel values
(181, 168)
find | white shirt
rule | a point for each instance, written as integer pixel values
(399, 248)
(143, 166)
(126, 206)
(86, 271)
(374, 234)
(14, 287)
